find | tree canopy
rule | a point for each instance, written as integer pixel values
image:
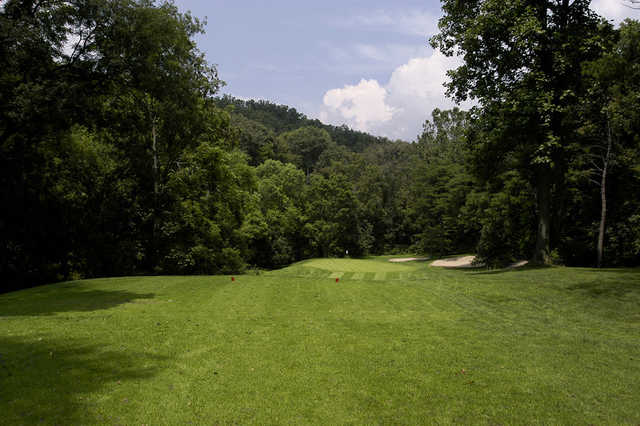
(520, 62)
(117, 156)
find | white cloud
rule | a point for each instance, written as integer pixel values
(370, 51)
(415, 22)
(362, 105)
(388, 53)
(615, 10)
(365, 59)
(397, 109)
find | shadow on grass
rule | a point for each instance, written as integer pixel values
(65, 299)
(484, 271)
(616, 270)
(618, 288)
(57, 382)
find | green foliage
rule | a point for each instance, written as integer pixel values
(210, 191)
(506, 216)
(332, 211)
(254, 138)
(520, 59)
(377, 172)
(303, 146)
(281, 118)
(274, 225)
(608, 125)
(440, 186)
(115, 158)
(100, 100)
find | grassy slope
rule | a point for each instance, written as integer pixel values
(389, 343)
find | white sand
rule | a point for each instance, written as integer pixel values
(407, 259)
(455, 262)
(518, 264)
(466, 262)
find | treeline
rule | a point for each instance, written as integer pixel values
(116, 158)
(334, 189)
(553, 145)
(281, 118)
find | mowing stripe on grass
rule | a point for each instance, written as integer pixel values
(538, 346)
(348, 275)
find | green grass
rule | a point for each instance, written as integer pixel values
(389, 343)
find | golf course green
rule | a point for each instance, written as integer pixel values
(401, 343)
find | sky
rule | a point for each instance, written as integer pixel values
(366, 64)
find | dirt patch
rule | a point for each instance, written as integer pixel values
(408, 259)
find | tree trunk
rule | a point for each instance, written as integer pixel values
(154, 149)
(603, 214)
(603, 198)
(156, 193)
(541, 253)
(543, 174)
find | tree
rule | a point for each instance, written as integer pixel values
(634, 4)
(254, 138)
(210, 192)
(304, 146)
(332, 211)
(519, 59)
(123, 78)
(443, 137)
(611, 111)
(441, 182)
(275, 228)
(159, 84)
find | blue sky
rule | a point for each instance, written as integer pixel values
(363, 63)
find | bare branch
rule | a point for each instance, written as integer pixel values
(594, 156)
(595, 166)
(633, 4)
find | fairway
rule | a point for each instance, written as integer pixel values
(388, 343)
(375, 269)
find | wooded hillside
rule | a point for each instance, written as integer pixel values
(117, 158)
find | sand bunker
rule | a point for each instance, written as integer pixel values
(455, 262)
(408, 259)
(467, 262)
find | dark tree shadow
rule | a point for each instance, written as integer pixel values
(485, 271)
(607, 288)
(65, 298)
(52, 382)
(617, 270)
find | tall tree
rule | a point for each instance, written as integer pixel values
(520, 59)
(441, 183)
(610, 116)
(123, 77)
(303, 146)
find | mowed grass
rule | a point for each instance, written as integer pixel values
(409, 344)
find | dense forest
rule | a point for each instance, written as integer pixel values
(118, 157)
